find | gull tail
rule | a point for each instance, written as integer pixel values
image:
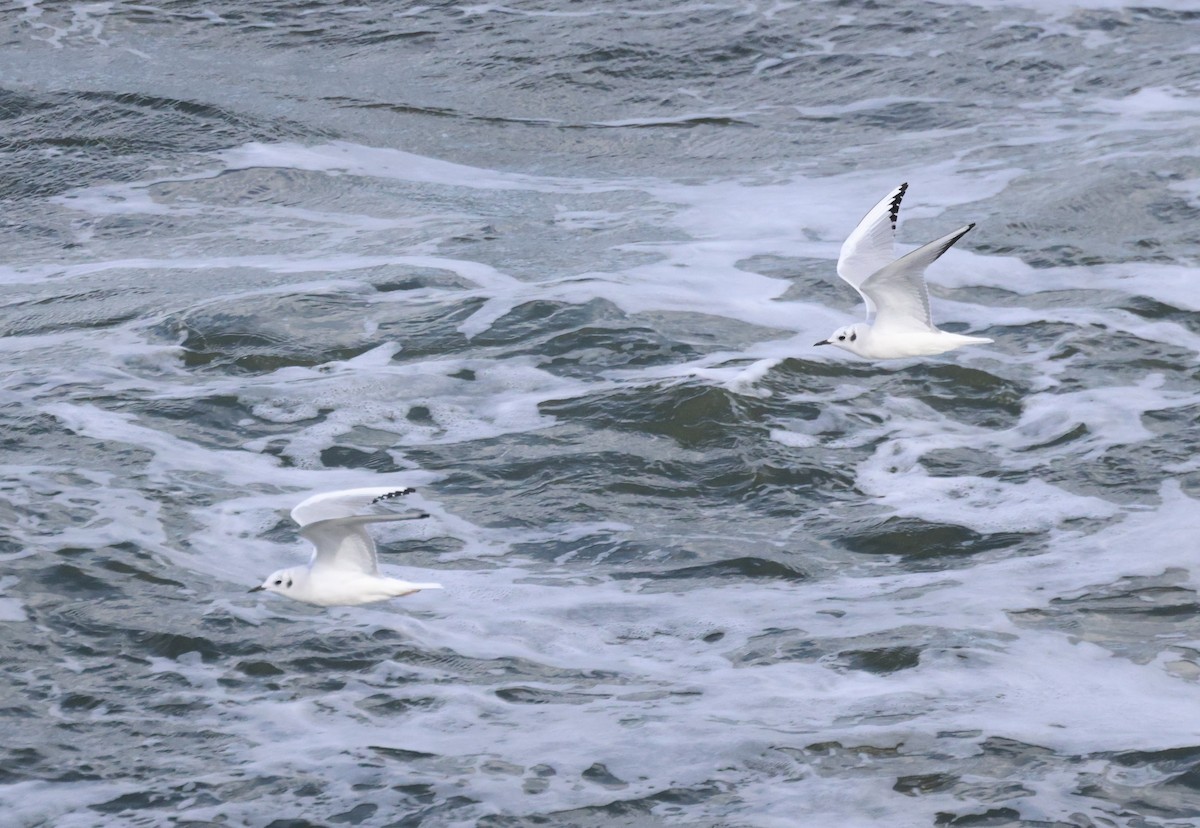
(400, 588)
(958, 340)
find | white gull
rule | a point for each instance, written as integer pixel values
(898, 322)
(344, 568)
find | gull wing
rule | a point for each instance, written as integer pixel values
(344, 543)
(871, 246)
(344, 503)
(898, 291)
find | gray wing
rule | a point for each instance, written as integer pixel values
(872, 245)
(344, 543)
(344, 503)
(898, 291)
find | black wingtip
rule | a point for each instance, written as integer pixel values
(894, 210)
(952, 239)
(392, 494)
(966, 229)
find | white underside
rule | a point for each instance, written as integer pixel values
(336, 590)
(873, 344)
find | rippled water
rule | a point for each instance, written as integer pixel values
(561, 266)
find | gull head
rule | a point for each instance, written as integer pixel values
(848, 338)
(282, 581)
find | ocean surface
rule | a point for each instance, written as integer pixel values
(560, 266)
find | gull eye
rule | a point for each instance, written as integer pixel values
(841, 338)
(277, 583)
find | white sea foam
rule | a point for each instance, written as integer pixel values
(11, 609)
(343, 157)
(693, 705)
(1057, 9)
(619, 661)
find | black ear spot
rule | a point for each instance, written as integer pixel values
(853, 337)
(289, 583)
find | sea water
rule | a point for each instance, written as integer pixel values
(560, 266)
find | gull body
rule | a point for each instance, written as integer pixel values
(898, 321)
(344, 568)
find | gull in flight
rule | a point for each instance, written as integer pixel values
(343, 569)
(898, 322)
